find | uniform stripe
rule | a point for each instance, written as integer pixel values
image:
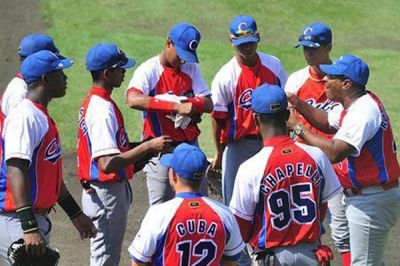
(232, 117)
(155, 122)
(33, 175)
(375, 147)
(3, 178)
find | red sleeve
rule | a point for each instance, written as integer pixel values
(219, 115)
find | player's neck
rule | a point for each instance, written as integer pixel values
(270, 132)
(248, 61)
(351, 97)
(38, 96)
(103, 84)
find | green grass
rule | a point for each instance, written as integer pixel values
(365, 28)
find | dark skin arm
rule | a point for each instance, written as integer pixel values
(336, 150)
(17, 175)
(82, 223)
(217, 126)
(141, 102)
(111, 163)
(316, 117)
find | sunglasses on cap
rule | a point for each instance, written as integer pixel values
(243, 33)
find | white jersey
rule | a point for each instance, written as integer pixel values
(186, 230)
(14, 93)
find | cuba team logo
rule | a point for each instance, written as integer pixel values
(53, 151)
(326, 106)
(245, 99)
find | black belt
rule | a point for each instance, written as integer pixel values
(350, 192)
(255, 137)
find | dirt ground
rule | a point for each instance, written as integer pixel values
(15, 23)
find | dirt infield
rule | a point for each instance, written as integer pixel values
(15, 23)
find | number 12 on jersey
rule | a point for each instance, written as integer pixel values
(205, 249)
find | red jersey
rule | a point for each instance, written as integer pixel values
(231, 91)
(188, 230)
(365, 125)
(101, 132)
(279, 191)
(151, 79)
(30, 134)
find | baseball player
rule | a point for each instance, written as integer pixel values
(234, 130)
(308, 85)
(105, 158)
(364, 136)
(157, 88)
(190, 229)
(17, 88)
(31, 183)
(279, 191)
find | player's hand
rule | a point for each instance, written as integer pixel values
(84, 226)
(160, 144)
(292, 121)
(217, 161)
(324, 254)
(35, 243)
(185, 108)
(292, 99)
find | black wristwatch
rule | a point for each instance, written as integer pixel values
(298, 130)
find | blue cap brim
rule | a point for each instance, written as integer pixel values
(131, 62)
(308, 44)
(331, 70)
(186, 55)
(239, 41)
(65, 63)
(166, 160)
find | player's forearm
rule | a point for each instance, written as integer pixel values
(17, 175)
(217, 126)
(326, 145)
(316, 117)
(208, 104)
(109, 164)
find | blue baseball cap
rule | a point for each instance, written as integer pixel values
(36, 42)
(314, 35)
(188, 162)
(186, 39)
(243, 29)
(349, 66)
(106, 55)
(269, 99)
(41, 63)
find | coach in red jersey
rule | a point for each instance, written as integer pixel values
(190, 229)
(308, 84)
(31, 177)
(364, 136)
(170, 90)
(278, 192)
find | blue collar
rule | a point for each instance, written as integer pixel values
(189, 195)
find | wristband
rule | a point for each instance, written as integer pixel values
(198, 103)
(298, 130)
(156, 105)
(69, 205)
(27, 218)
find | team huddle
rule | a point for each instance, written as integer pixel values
(292, 151)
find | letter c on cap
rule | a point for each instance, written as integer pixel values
(193, 45)
(242, 26)
(307, 30)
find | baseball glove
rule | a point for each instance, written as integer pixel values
(214, 177)
(18, 257)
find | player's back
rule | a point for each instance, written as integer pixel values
(188, 230)
(280, 189)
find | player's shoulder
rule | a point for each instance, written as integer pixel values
(297, 79)
(163, 212)
(225, 73)
(316, 153)
(150, 64)
(269, 60)
(258, 160)
(27, 111)
(222, 210)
